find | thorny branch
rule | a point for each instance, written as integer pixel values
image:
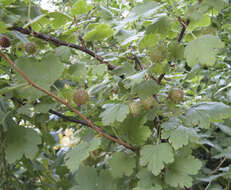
(88, 122)
(180, 37)
(72, 119)
(58, 42)
(219, 165)
(184, 27)
(68, 118)
(137, 61)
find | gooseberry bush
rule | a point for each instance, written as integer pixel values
(115, 95)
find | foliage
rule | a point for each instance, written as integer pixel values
(130, 132)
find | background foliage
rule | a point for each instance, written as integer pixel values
(128, 55)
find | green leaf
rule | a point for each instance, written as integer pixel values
(106, 181)
(205, 21)
(58, 19)
(224, 153)
(142, 10)
(156, 187)
(43, 107)
(63, 52)
(121, 164)
(88, 179)
(12, 88)
(3, 27)
(6, 2)
(197, 11)
(156, 156)
(147, 181)
(78, 71)
(25, 109)
(114, 112)
(178, 134)
(175, 51)
(203, 50)
(134, 131)
(217, 4)
(224, 128)
(146, 88)
(160, 25)
(139, 134)
(81, 152)
(178, 173)
(148, 41)
(132, 80)
(81, 7)
(105, 13)
(21, 141)
(159, 68)
(99, 69)
(100, 32)
(124, 69)
(46, 77)
(204, 113)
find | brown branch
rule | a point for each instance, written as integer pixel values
(138, 62)
(58, 42)
(160, 78)
(68, 118)
(184, 27)
(88, 122)
(136, 59)
(180, 37)
(72, 119)
(219, 165)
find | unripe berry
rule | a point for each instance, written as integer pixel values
(30, 48)
(4, 42)
(135, 108)
(176, 95)
(81, 96)
(149, 103)
(158, 53)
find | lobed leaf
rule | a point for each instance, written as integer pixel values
(156, 156)
(121, 164)
(204, 113)
(202, 50)
(179, 173)
(78, 154)
(114, 112)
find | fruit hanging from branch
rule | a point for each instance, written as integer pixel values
(149, 103)
(30, 48)
(5, 42)
(80, 97)
(135, 108)
(158, 53)
(176, 95)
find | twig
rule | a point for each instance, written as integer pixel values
(76, 24)
(160, 78)
(68, 118)
(3, 159)
(180, 37)
(219, 165)
(58, 42)
(184, 27)
(82, 40)
(138, 62)
(88, 122)
(136, 59)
